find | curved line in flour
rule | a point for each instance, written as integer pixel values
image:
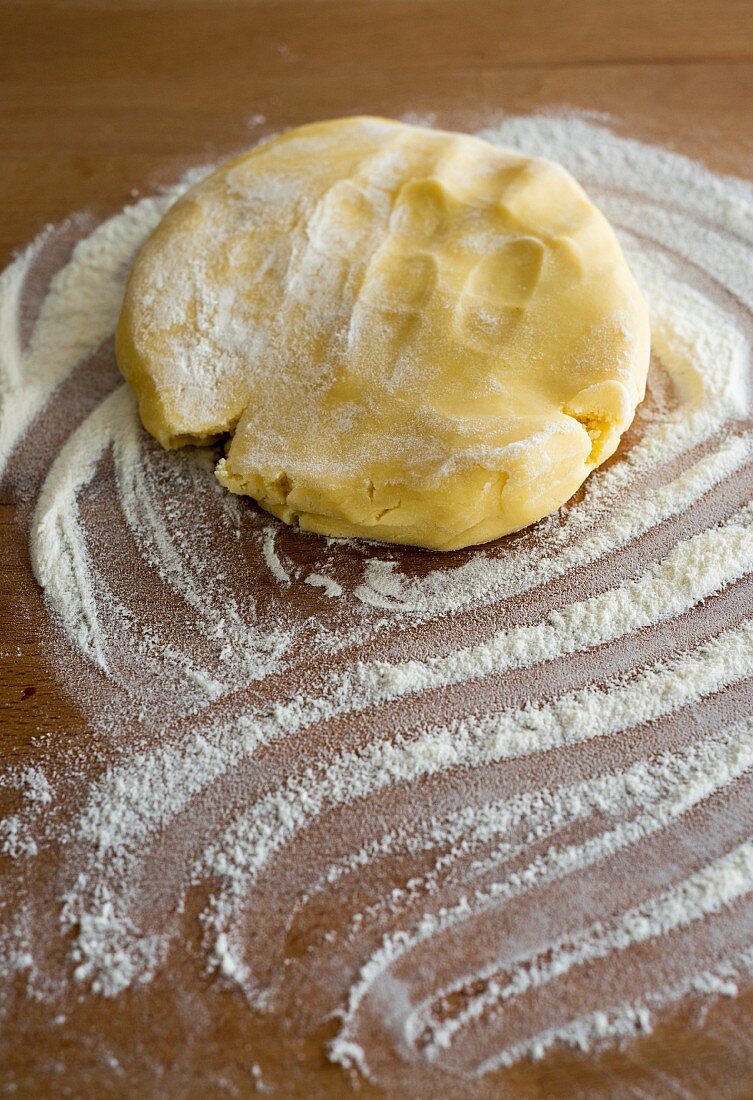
(254, 654)
(701, 566)
(272, 557)
(559, 864)
(59, 556)
(674, 785)
(706, 892)
(240, 972)
(669, 229)
(126, 887)
(659, 784)
(58, 542)
(690, 945)
(109, 821)
(79, 311)
(469, 742)
(12, 281)
(629, 1019)
(661, 790)
(122, 816)
(459, 831)
(696, 222)
(690, 573)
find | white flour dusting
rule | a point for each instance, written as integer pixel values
(501, 796)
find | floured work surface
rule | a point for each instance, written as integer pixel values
(384, 819)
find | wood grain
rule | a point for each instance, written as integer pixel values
(100, 101)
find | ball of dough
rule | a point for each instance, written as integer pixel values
(411, 335)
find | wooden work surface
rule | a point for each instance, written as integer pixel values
(101, 99)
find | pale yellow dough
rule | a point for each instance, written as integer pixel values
(414, 336)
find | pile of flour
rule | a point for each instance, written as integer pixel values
(510, 782)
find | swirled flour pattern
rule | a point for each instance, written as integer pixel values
(438, 813)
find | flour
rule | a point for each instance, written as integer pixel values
(663, 791)
(330, 586)
(272, 558)
(501, 774)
